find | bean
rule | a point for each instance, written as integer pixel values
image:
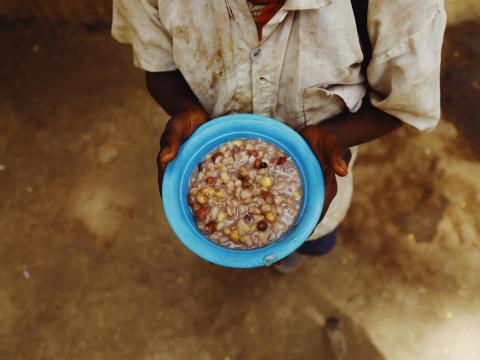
(266, 208)
(257, 217)
(216, 155)
(263, 165)
(220, 226)
(268, 197)
(270, 216)
(257, 163)
(221, 215)
(248, 217)
(224, 176)
(208, 191)
(201, 199)
(281, 160)
(262, 225)
(242, 226)
(234, 235)
(266, 182)
(210, 228)
(191, 200)
(210, 180)
(247, 240)
(245, 194)
(201, 214)
(200, 166)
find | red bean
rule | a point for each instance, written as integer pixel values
(210, 227)
(191, 200)
(257, 163)
(281, 161)
(216, 155)
(210, 180)
(201, 214)
(268, 197)
(262, 225)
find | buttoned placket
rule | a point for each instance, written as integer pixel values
(266, 58)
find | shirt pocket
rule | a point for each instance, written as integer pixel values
(321, 103)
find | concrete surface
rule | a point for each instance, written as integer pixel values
(91, 270)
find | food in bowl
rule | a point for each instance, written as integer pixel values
(245, 194)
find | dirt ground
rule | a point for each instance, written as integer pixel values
(91, 270)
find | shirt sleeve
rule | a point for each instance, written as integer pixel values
(404, 72)
(138, 23)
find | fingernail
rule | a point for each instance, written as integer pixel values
(165, 151)
(343, 164)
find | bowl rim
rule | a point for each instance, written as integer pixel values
(202, 141)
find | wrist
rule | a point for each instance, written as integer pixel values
(196, 113)
(315, 132)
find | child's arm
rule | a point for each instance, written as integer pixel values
(366, 125)
(172, 93)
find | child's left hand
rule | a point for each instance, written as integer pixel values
(332, 156)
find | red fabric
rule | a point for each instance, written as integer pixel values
(263, 11)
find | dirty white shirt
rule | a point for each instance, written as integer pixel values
(305, 69)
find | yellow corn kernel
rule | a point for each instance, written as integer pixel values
(208, 191)
(235, 236)
(220, 194)
(224, 176)
(201, 199)
(221, 216)
(270, 216)
(266, 182)
(257, 218)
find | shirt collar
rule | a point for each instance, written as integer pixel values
(306, 4)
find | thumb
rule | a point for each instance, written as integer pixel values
(168, 153)
(170, 142)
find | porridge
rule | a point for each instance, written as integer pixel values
(245, 194)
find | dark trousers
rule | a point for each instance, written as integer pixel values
(319, 246)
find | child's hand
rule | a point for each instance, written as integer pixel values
(178, 129)
(332, 156)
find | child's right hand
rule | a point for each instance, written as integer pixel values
(178, 129)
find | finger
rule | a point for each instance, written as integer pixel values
(335, 155)
(170, 141)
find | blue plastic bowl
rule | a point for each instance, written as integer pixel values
(211, 135)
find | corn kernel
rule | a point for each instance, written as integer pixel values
(270, 216)
(208, 191)
(201, 199)
(220, 194)
(266, 182)
(235, 236)
(221, 216)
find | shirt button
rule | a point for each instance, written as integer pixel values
(254, 54)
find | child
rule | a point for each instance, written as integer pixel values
(338, 76)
